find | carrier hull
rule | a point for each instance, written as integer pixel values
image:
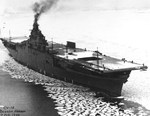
(102, 73)
(109, 84)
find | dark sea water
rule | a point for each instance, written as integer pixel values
(31, 99)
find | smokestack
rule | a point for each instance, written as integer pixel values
(42, 7)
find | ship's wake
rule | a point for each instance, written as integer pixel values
(70, 99)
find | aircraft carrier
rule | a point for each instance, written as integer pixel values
(100, 72)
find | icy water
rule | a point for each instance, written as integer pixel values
(29, 99)
(119, 34)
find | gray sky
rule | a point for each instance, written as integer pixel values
(23, 6)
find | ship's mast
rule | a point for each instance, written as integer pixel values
(9, 35)
(97, 59)
(52, 44)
